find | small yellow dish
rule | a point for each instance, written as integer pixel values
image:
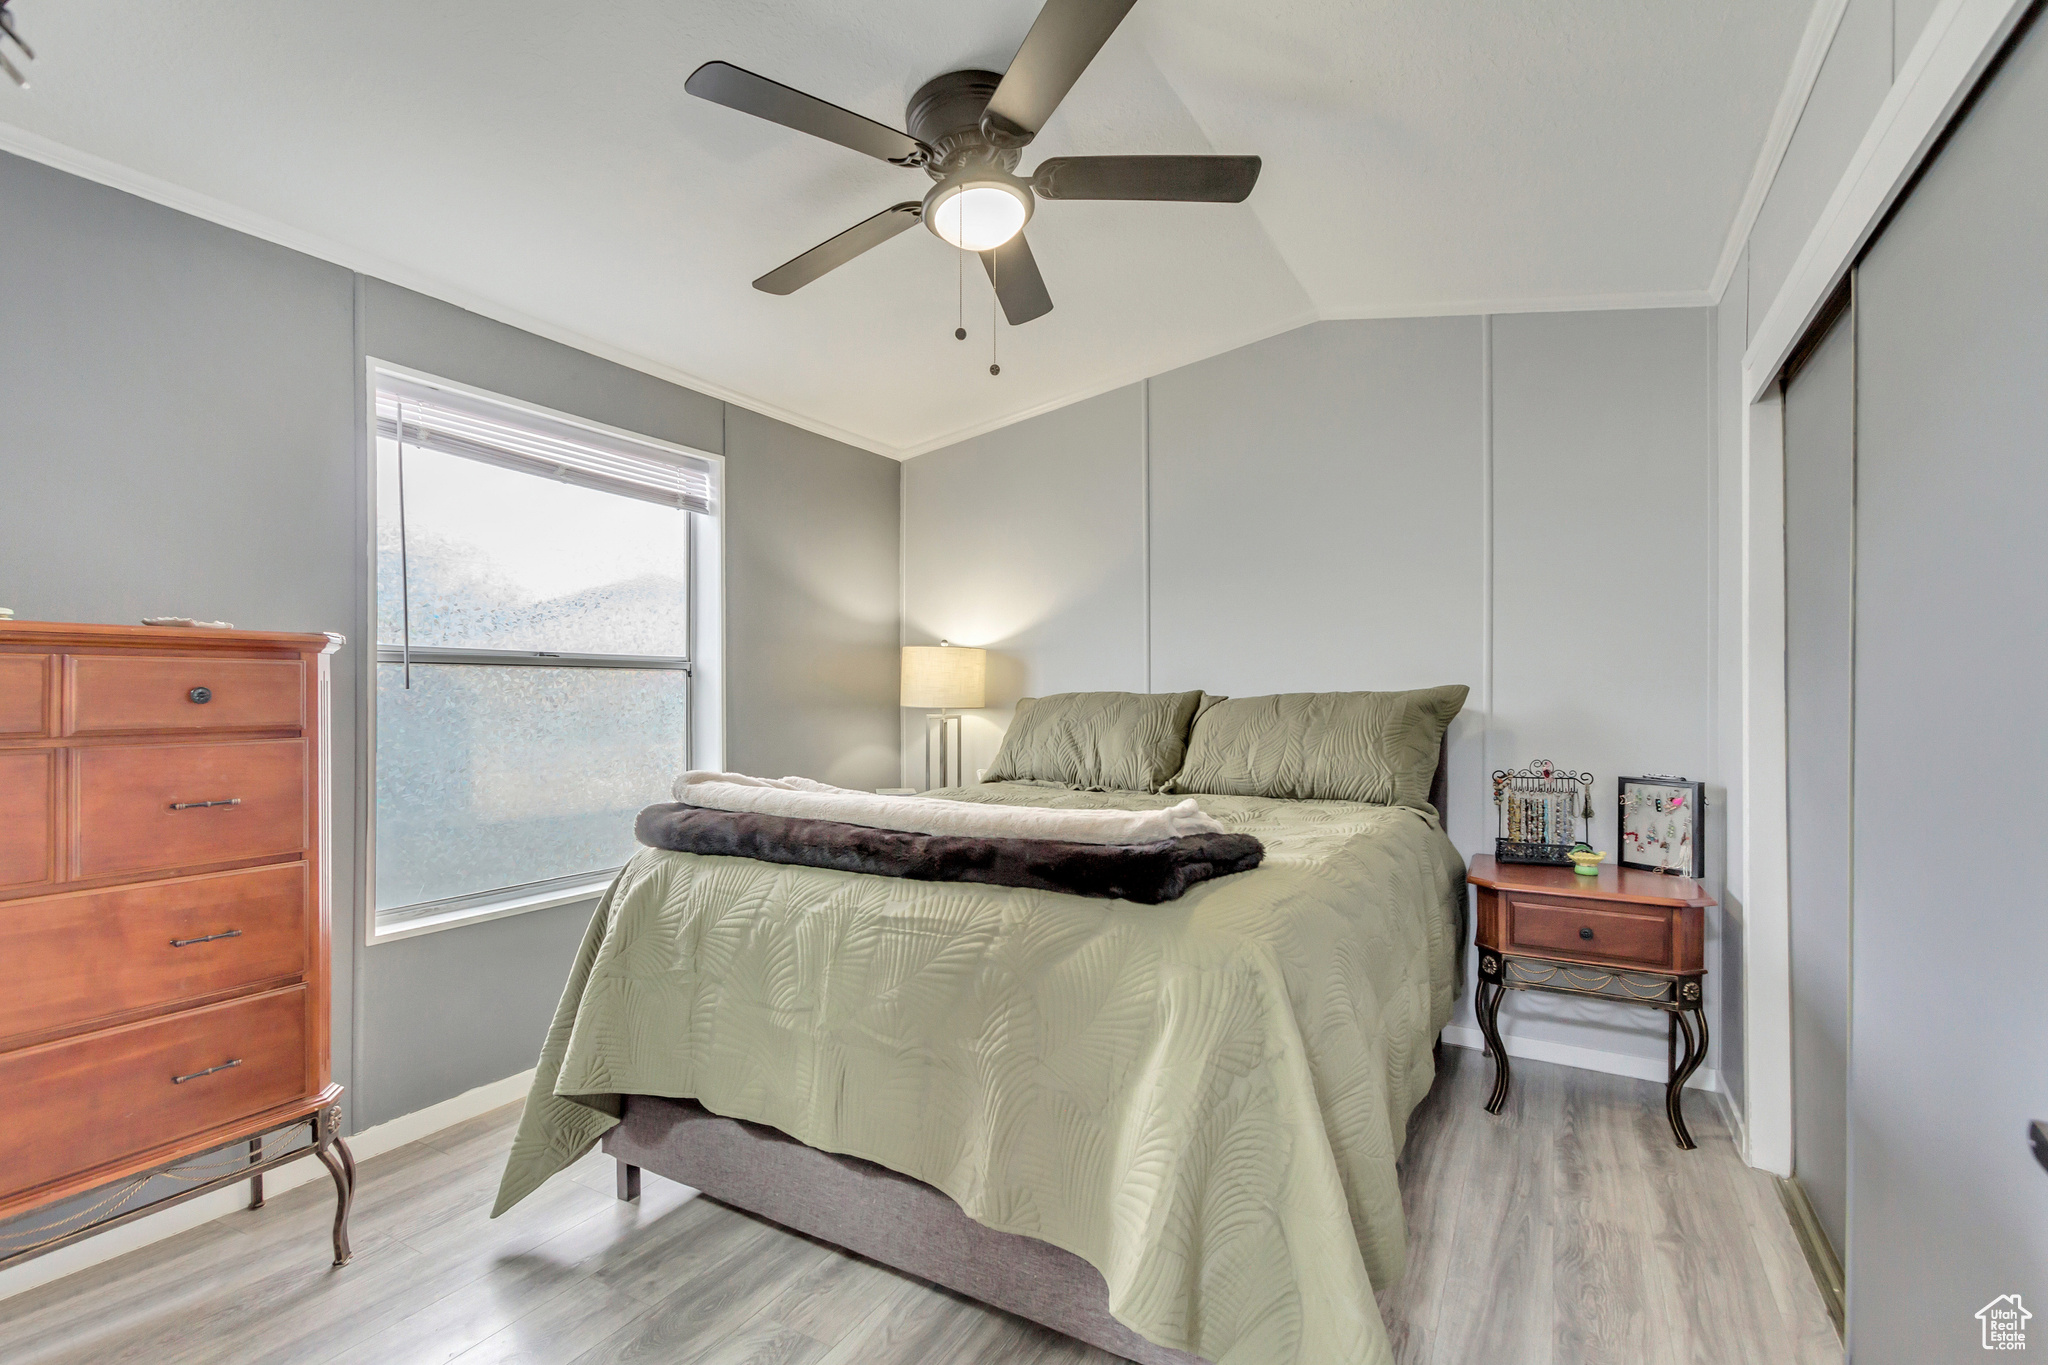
(1585, 862)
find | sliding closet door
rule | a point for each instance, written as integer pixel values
(1950, 1013)
(1820, 587)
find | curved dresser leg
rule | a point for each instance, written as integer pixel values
(332, 1149)
(344, 1195)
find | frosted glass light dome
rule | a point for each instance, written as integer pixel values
(977, 215)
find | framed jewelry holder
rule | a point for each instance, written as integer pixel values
(1661, 824)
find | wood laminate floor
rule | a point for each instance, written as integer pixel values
(1569, 1229)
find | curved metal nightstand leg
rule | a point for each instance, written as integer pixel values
(1674, 1093)
(1489, 1024)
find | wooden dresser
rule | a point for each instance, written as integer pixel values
(1626, 935)
(163, 918)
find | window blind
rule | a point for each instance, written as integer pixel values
(477, 429)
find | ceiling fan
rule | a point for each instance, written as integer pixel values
(968, 130)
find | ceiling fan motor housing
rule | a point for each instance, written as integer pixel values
(945, 115)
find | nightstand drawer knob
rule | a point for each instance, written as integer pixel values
(1585, 933)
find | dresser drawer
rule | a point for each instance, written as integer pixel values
(107, 1095)
(28, 826)
(24, 695)
(186, 805)
(114, 693)
(95, 954)
(1595, 930)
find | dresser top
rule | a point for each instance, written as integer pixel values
(1613, 884)
(69, 635)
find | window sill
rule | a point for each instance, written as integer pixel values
(389, 931)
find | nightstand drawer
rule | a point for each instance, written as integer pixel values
(1595, 930)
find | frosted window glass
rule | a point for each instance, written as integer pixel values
(498, 559)
(493, 776)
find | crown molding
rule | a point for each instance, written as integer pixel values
(1580, 303)
(1523, 303)
(34, 147)
(84, 165)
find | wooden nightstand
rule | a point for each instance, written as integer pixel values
(1636, 937)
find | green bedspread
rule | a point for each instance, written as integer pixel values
(1202, 1099)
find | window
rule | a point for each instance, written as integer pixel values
(534, 662)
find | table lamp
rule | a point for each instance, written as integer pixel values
(947, 678)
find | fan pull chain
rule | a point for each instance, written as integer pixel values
(993, 267)
(959, 295)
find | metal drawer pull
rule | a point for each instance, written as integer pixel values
(180, 1080)
(201, 695)
(1585, 933)
(188, 942)
(202, 805)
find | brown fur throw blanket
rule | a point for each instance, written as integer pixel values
(1146, 873)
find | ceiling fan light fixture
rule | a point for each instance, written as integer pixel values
(977, 211)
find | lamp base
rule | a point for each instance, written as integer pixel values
(943, 746)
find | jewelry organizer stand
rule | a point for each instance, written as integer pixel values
(1543, 813)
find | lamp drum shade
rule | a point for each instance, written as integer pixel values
(945, 677)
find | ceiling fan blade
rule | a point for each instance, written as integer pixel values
(834, 252)
(1014, 272)
(1063, 40)
(726, 84)
(1195, 179)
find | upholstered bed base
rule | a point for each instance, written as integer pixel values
(881, 1214)
(872, 1210)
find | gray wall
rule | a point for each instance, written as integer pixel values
(1029, 541)
(182, 418)
(810, 605)
(1523, 504)
(177, 437)
(1949, 1059)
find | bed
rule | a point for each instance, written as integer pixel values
(1169, 1131)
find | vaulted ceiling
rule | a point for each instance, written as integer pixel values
(541, 162)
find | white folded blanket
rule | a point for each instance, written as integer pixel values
(804, 799)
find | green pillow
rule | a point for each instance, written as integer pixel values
(1322, 746)
(1097, 741)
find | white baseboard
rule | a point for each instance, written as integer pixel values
(195, 1212)
(1736, 1126)
(1584, 1058)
